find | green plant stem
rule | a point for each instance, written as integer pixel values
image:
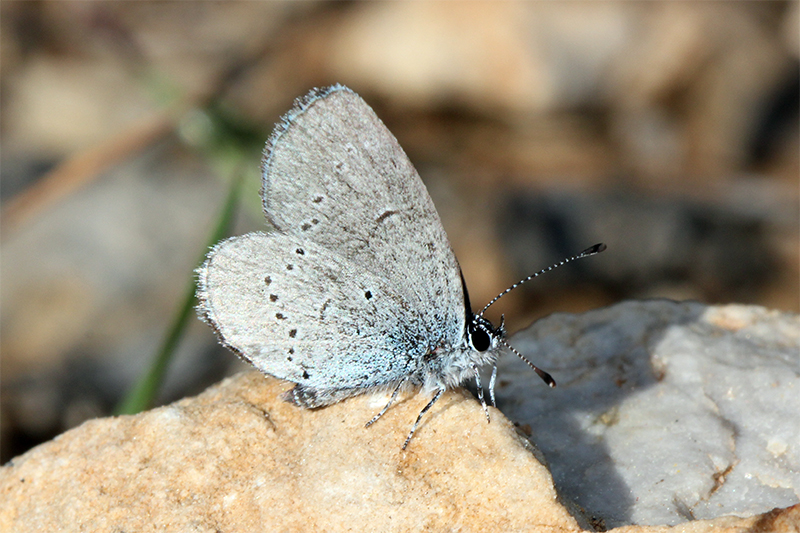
(143, 394)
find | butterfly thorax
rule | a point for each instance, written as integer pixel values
(450, 366)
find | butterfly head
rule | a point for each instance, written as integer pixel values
(482, 336)
(484, 339)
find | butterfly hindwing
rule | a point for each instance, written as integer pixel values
(300, 312)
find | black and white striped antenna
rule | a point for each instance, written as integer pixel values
(592, 250)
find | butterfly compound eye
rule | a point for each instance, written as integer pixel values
(479, 339)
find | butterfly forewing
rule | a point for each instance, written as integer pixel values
(334, 175)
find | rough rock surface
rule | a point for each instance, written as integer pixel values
(238, 458)
(665, 412)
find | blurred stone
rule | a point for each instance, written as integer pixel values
(90, 285)
(683, 83)
(665, 412)
(81, 72)
(791, 37)
(238, 458)
(113, 257)
(660, 245)
(686, 97)
(60, 107)
(508, 57)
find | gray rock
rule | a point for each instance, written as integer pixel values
(664, 412)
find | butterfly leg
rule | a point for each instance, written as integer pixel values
(491, 385)
(391, 401)
(480, 391)
(421, 414)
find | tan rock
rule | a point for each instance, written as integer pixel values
(238, 458)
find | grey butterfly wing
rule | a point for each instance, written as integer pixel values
(335, 175)
(299, 312)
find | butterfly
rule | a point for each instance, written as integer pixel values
(357, 288)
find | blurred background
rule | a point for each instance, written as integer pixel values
(668, 130)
